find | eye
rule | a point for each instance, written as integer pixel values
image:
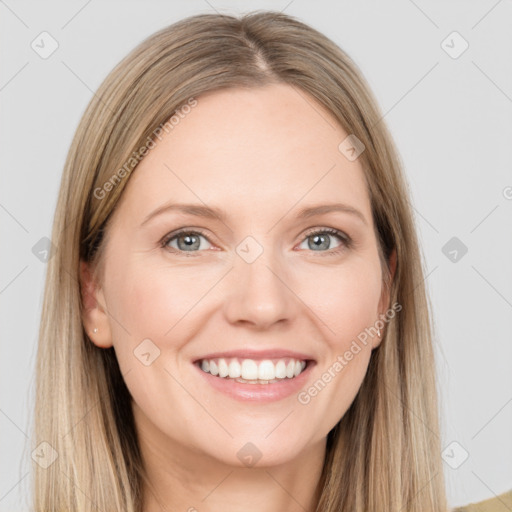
(190, 241)
(186, 241)
(320, 240)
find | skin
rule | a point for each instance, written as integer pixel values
(260, 155)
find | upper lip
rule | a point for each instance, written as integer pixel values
(257, 354)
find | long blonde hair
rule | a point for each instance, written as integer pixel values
(384, 454)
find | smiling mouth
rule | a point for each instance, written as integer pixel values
(253, 371)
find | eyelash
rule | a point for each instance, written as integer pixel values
(343, 238)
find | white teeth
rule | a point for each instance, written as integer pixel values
(252, 371)
(280, 370)
(249, 369)
(235, 369)
(290, 369)
(223, 368)
(214, 370)
(266, 370)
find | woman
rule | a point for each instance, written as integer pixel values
(236, 316)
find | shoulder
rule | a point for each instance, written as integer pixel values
(501, 503)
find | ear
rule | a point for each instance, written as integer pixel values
(386, 296)
(94, 311)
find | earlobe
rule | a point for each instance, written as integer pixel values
(94, 312)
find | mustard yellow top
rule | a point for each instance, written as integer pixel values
(501, 503)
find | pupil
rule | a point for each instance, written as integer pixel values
(191, 241)
(321, 241)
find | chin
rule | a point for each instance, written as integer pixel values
(258, 452)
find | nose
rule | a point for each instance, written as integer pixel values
(259, 294)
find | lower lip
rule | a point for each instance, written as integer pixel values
(258, 392)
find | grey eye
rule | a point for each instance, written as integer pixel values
(321, 241)
(188, 241)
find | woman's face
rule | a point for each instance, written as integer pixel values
(259, 288)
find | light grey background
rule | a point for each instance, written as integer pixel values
(452, 122)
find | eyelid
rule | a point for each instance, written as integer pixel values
(331, 231)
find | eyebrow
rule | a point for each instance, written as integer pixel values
(217, 214)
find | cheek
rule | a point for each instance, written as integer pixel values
(150, 300)
(347, 305)
(345, 300)
(150, 306)
(334, 387)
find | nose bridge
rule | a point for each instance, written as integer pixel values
(258, 293)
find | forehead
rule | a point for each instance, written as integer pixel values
(257, 150)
